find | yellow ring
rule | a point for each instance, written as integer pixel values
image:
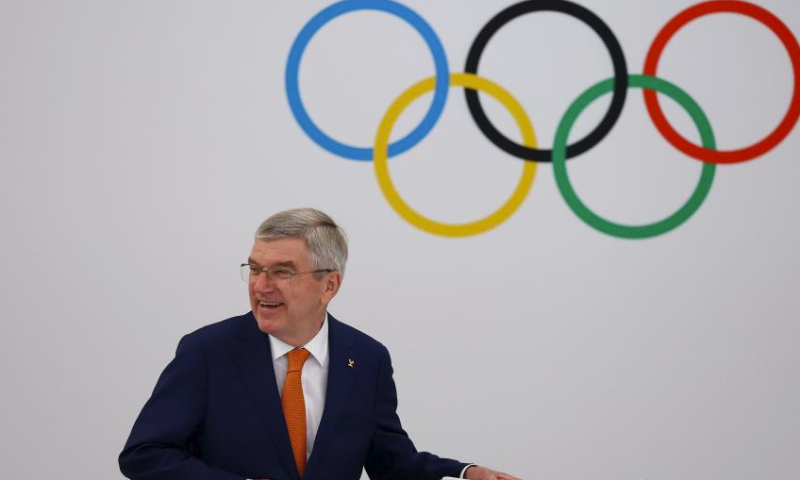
(381, 163)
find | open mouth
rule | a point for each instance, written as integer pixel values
(270, 305)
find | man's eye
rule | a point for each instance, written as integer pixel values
(281, 273)
(255, 270)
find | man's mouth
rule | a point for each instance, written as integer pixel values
(270, 304)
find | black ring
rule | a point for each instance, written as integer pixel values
(617, 58)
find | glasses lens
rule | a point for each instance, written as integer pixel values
(245, 272)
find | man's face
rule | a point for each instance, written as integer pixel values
(291, 310)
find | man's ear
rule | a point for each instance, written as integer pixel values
(333, 281)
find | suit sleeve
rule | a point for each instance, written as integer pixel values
(162, 443)
(392, 455)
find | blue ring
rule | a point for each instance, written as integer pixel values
(293, 68)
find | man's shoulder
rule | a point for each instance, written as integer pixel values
(223, 330)
(350, 334)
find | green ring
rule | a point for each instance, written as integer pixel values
(616, 229)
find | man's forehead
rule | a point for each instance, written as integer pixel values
(281, 251)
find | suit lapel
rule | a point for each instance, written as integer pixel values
(340, 382)
(253, 358)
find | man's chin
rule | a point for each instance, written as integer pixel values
(268, 322)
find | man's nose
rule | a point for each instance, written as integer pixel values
(264, 282)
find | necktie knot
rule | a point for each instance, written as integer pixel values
(297, 358)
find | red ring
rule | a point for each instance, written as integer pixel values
(728, 156)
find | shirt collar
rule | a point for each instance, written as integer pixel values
(317, 346)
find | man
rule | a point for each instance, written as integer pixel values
(285, 391)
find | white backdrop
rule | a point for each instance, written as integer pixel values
(143, 141)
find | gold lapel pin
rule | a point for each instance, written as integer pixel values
(351, 363)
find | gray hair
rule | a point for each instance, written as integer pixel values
(326, 241)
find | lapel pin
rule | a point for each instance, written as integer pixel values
(351, 363)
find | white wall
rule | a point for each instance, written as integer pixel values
(143, 141)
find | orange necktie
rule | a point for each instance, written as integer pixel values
(294, 406)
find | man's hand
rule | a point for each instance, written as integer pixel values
(482, 473)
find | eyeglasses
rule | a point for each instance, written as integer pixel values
(250, 271)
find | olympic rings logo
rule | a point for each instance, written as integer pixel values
(528, 150)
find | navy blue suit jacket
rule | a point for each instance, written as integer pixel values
(215, 414)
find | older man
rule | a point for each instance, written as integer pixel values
(285, 391)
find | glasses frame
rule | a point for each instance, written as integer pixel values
(247, 272)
